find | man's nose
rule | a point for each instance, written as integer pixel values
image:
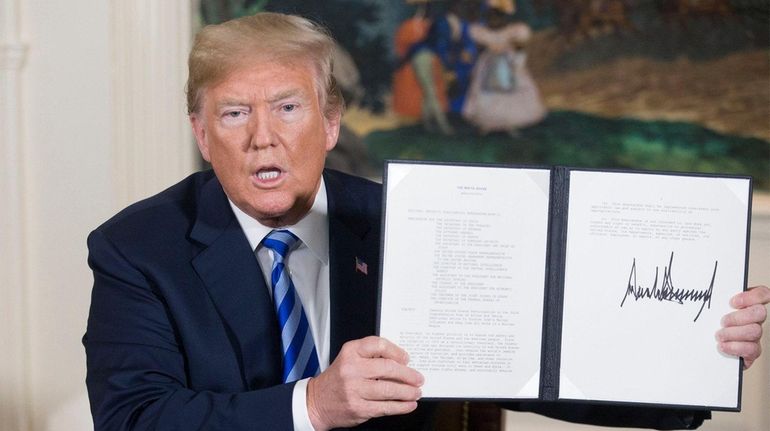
(262, 132)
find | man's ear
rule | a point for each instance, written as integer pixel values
(332, 122)
(199, 131)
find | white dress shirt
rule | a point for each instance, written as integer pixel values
(308, 267)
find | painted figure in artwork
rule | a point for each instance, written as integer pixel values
(502, 95)
(450, 38)
(419, 89)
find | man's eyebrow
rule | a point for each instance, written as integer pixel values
(231, 102)
(286, 94)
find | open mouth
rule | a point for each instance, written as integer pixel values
(268, 174)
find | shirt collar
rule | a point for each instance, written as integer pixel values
(312, 229)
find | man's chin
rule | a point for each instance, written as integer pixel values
(270, 218)
(276, 209)
(275, 216)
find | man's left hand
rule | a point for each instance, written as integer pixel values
(741, 331)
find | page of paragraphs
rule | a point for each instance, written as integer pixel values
(463, 276)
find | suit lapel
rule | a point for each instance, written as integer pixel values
(353, 233)
(230, 271)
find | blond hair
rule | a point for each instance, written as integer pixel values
(220, 49)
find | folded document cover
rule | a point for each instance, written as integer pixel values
(508, 282)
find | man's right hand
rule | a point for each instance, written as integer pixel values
(369, 378)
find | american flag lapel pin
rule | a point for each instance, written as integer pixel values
(361, 266)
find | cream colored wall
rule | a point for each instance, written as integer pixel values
(68, 186)
(92, 98)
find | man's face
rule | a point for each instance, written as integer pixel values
(263, 130)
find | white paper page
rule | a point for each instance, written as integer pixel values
(463, 276)
(623, 230)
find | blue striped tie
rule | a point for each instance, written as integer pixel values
(300, 359)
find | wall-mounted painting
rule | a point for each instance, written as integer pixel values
(680, 85)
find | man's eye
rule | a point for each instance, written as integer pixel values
(234, 114)
(289, 108)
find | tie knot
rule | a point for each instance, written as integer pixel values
(281, 241)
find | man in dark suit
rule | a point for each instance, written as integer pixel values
(189, 325)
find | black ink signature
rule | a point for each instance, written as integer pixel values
(667, 291)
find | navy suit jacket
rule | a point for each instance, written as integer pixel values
(182, 333)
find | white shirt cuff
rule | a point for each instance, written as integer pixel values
(299, 407)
